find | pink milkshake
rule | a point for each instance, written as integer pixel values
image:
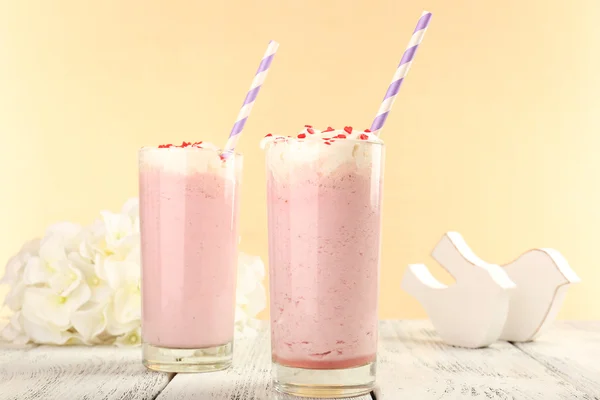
(324, 209)
(189, 200)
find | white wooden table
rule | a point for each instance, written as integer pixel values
(414, 364)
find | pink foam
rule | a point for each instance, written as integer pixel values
(324, 259)
(189, 258)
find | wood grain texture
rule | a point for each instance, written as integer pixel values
(249, 378)
(570, 350)
(415, 364)
(90, 373)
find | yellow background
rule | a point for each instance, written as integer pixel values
(495, 132)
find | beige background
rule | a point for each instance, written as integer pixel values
(495, 132)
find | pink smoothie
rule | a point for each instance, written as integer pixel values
(189, 220)
(324, 235)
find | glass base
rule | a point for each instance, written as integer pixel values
(324, 383)
(208, 359)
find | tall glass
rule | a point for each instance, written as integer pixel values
(324, 213)
(189, 200)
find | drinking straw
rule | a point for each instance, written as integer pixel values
(259, 79)
(401, 71)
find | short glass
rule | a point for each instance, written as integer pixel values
(324, 219)
(189, 201)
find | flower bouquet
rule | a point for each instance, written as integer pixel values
(81, 285)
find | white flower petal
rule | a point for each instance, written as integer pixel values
(257, 301)
(117, 227)
(131, 208)
(101, 292)
(46, 333)
(12, 270)
(129, 339)
(32, 247)
(65, 230)
(121, 273)
(90, 321)
(44, 307)
(52, 249)
(76, 339)
(36, 271)
(117, 328)
(250, 293)
(14, 298)
(99, 267)
(13, 331)
(251, 272)
(250, 290)
(78, 298)
(81, 263)
(15, 266)
(127, 304)
(240, 315)
(65, 279)
(134, 255)
(68, 234)
(257, 266)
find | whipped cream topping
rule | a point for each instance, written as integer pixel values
(189, 158)
(325, 150)
(328, 135)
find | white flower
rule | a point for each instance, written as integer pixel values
(46, 334)
(251, 298)
(124, 314)
(122, 230)
(52, 266)
(15, 266)
(14, 271)
(81, 285)
(90, 321)
(132, 338)
(45, 307)
(14, 332)
(100, 290)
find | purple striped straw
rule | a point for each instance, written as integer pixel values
(257, 82)
(401, 71)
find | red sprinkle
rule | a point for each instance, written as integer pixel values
(327, 143)
(308, 126)
(329, 129)
(363, 136)
(310, 130)
(326, 138)
(222, 157)
(367, 130)
(348, 129)
(301, 136)
(331, 141)
(268, 134)
(340, 136)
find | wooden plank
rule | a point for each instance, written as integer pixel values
(249, 378)
(571, 350)
(415, 364)
(93, 373)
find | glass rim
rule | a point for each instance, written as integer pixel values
(191, 149)
(316, 140)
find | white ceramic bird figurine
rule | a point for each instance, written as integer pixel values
(542, 277)
(472, 311)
